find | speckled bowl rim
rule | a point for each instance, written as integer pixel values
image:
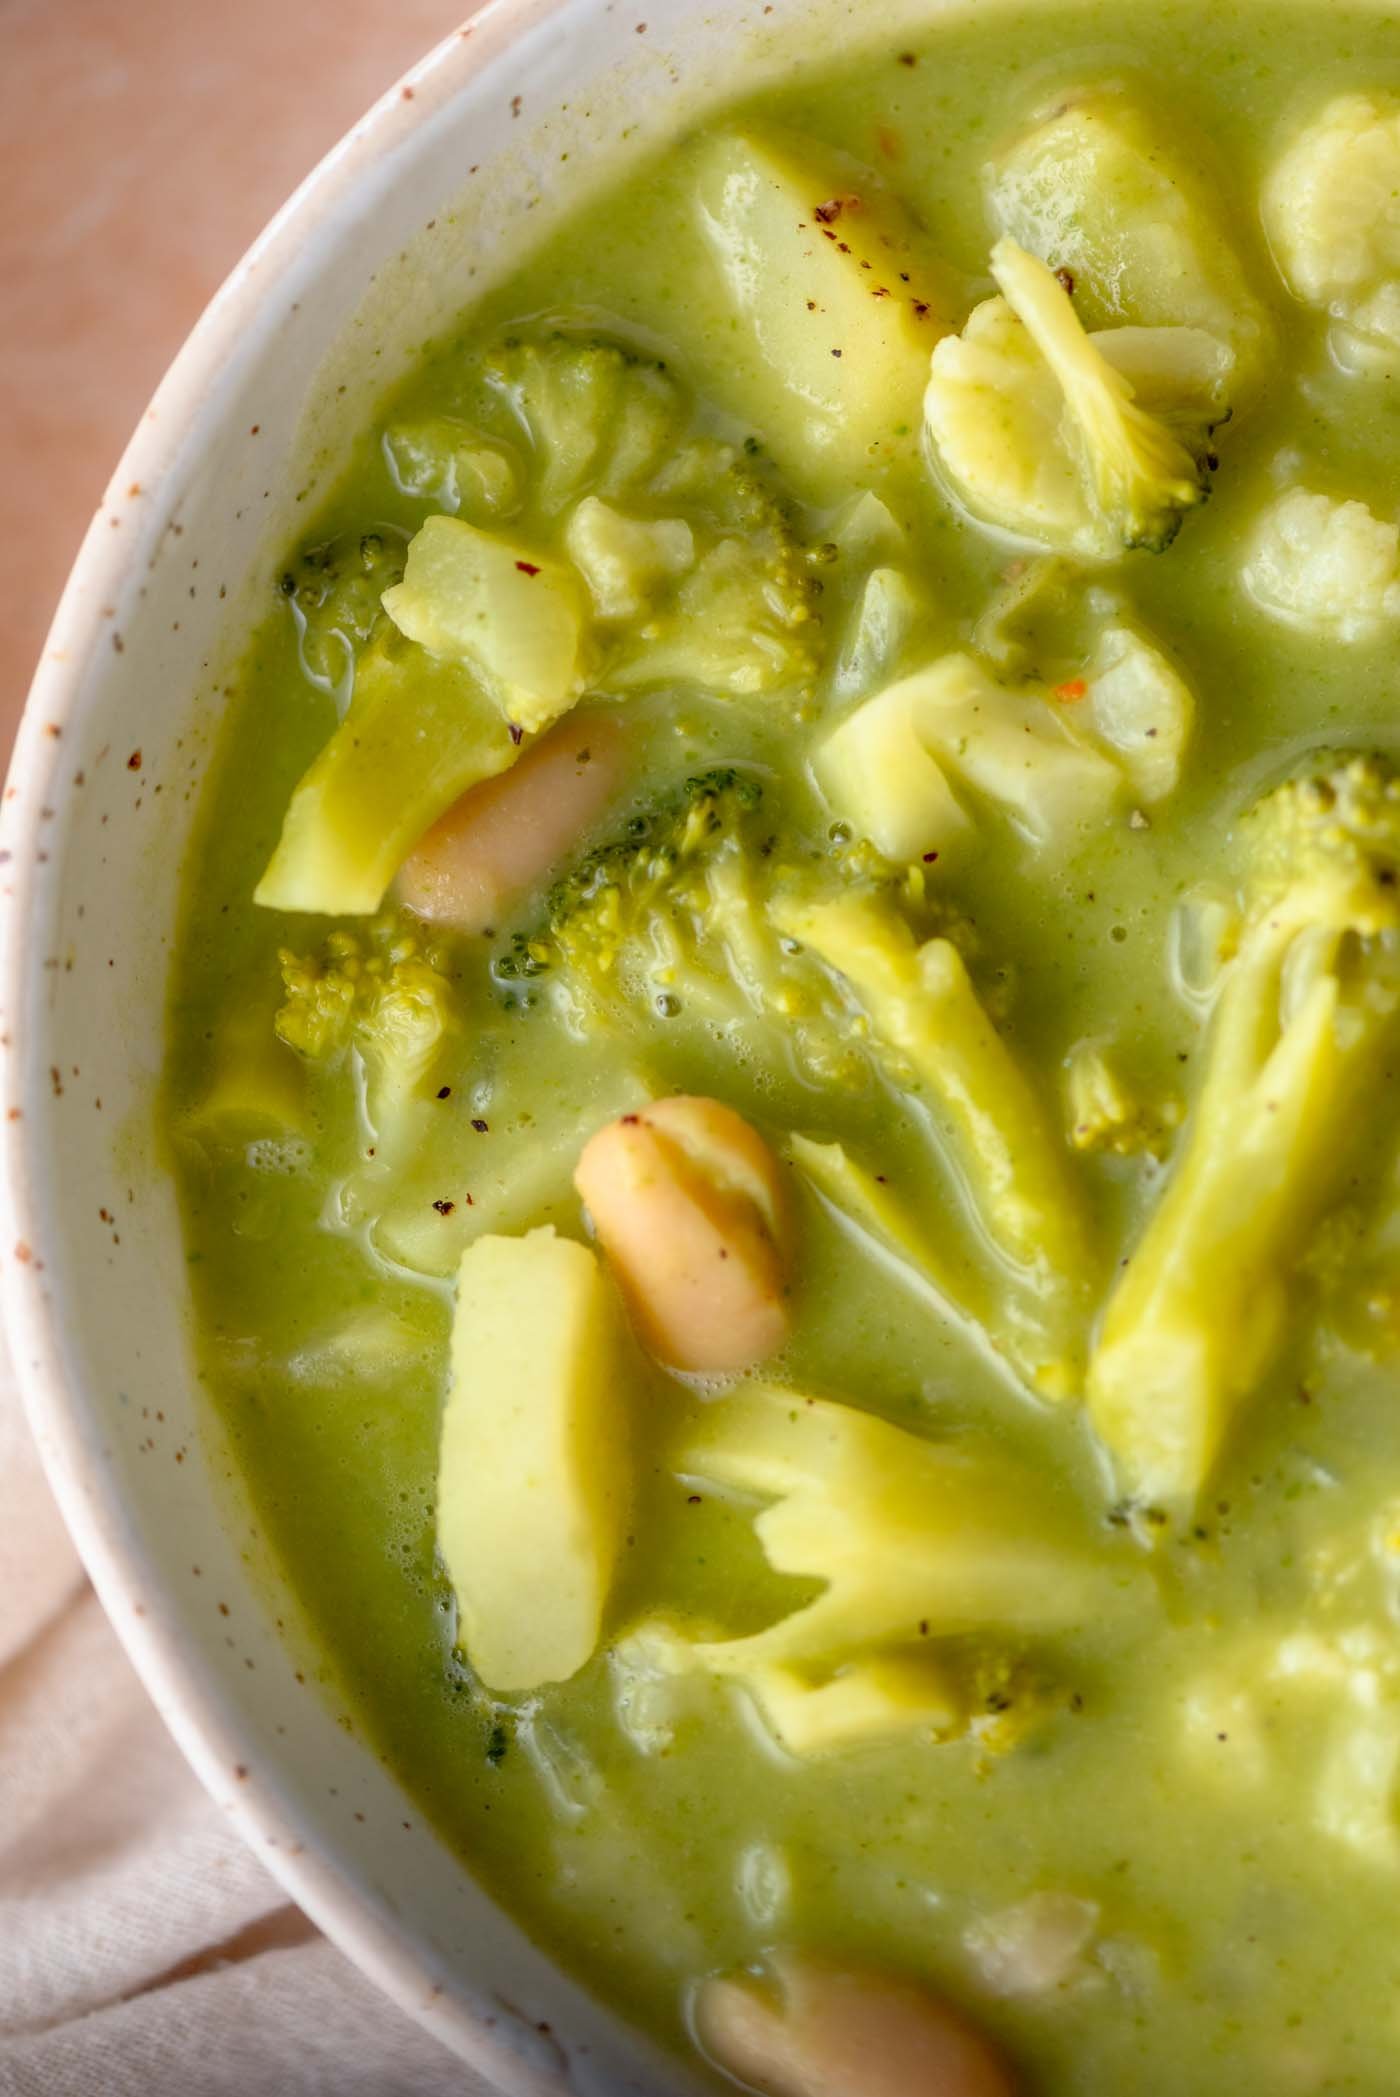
(88, 1499)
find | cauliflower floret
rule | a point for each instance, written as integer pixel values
(1330, 567)
(1332, 212)
(1039, 432)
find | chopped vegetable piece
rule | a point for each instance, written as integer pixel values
(1302, 1014)
(509, 612)
(1038, 432)
(419, 732)
(922, 1005)
(534, 1481)
(839, 299)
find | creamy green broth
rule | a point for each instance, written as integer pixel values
(1214, 1770)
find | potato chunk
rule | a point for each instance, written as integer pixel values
(1332, 212)
(811, 2028)
(877, 770)
(690, 1207)
(515, 616)
(534, 1481)
(839, 299)
(1097, 187)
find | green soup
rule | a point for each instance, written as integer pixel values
(994, 825)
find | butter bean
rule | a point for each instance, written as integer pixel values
(506, 834)
(812, 2028)
(690, 1208)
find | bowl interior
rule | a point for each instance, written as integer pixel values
(394, 234)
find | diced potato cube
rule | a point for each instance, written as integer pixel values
(1097, 188)
(534, 1482)
(419, 732)
(513, 614)
(840, 301)
(877, 770)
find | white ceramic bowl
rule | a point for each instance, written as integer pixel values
(409, 216)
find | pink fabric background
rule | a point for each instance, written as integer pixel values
(143, 144)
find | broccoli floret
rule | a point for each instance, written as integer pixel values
(1040, 432)
(937, 1039)
(917, 1543)
(744, 620)
(600, 418)
(334, 592)
(659, 918)
(1303, 1012)
(449, 463)
(380, 998)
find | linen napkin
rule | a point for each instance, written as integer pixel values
(144, 1951)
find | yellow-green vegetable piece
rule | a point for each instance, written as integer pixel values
(1007, 1153)
(1331, 207)
(1099, 188)
(625, 560)
(877, 770)
(419, 732)
(914, 1539)
(510, 612)
(1055, 760)
(1038, 433)
(1303, 1012)
(443, 460)
(534, 1480)
(861, 1705)
(839, 298)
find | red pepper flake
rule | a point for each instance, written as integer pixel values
(444, 1208)
(1074, 690)
(1065, 278)
(23, 1254)
(479, 1125)
(444, 1092)
(929, 858)
(836, 353)
(921, 309)
(630, 1121)
(693, 1500)
(407, 93)
(517, 733)
(811, 305)
(527, 567)
(133, 763)
(829, 212)
(516, 105)
(909, 58)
